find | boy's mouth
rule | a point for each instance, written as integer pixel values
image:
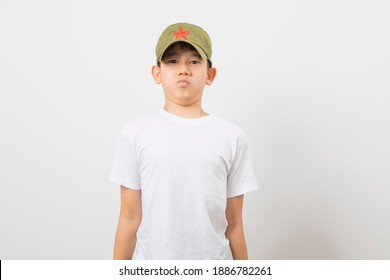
(183, 82)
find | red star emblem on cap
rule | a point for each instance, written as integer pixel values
(181, 33)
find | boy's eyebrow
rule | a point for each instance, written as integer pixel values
(197, 55)
(170, 54)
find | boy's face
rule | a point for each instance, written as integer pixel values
(183, 75)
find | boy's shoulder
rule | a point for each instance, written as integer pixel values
(229, 125)
(232, 130)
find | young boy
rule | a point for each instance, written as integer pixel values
(183, 172)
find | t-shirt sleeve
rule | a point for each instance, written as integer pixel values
(241, 177)
(125, 167)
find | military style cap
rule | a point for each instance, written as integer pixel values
(186, 32)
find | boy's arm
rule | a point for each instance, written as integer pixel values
(129, 220)
(235, 228)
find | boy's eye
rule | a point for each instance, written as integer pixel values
(175, 61)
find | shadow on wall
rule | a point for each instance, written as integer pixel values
(302, 228)
(323, 195)
(305, 244)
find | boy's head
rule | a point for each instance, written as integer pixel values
(189, 33)
(183, 54)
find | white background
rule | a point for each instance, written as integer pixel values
(307, 80)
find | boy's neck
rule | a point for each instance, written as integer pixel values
(189, 112)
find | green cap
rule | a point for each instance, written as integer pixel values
(186, 32)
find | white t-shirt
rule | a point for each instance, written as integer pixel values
(186, 169)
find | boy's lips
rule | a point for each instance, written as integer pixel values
(183, 82)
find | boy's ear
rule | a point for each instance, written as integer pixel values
(156, 74)
(211, 73)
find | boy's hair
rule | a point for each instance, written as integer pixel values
(183, 46)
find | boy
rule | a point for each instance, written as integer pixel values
(182, 171)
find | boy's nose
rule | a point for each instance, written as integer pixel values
(184, 70)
